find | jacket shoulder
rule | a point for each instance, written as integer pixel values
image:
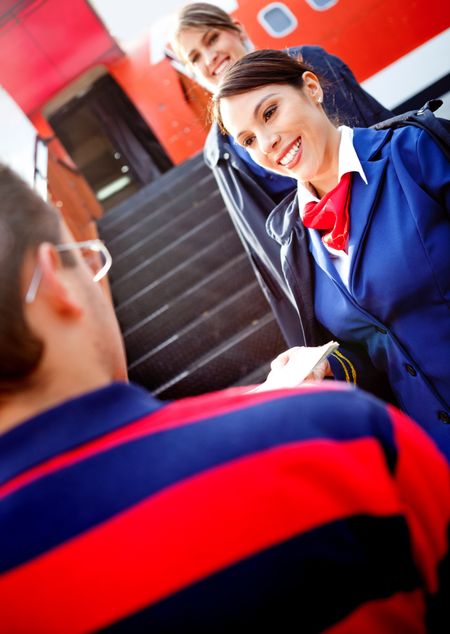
(308, 51)
(317, 57)
(422, 155)
(402, 142)
(216, 143)
(410, 150)
(399, 141)
(282, 218)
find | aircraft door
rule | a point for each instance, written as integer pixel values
(110, 142)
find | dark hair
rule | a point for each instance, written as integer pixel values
(25, 222)
(200, 15)
(257, 69)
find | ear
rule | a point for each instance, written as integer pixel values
(54, 285)
(243, 33)
(312, 87)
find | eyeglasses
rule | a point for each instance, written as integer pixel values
(94, 252)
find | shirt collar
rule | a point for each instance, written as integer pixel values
(71, 424)
(348, 161)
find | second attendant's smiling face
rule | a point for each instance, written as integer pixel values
(285, 129)
(209, 52)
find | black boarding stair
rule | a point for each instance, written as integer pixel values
(191, 312)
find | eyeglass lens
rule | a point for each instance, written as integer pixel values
(94, 259)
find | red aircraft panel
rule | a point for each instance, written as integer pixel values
(44, 52)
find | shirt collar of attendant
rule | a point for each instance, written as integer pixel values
(348, 161)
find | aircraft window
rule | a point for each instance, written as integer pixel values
(277, 19)
(321, 5)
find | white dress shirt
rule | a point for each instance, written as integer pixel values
(348, 161)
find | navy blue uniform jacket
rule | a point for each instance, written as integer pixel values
(249, 205)
(395, 312)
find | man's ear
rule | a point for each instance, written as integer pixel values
(54, 284)
(312, 87)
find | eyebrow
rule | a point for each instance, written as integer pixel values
(257, 107)
(194, 50)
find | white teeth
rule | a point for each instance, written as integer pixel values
(290, 155)
(222, 67)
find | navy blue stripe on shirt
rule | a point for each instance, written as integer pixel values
(305, 584)
(438, 603)
(72, 423)
(41, 515)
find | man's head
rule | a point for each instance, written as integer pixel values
(67, 327)
(208, 40)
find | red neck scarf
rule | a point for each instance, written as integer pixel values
(331, 214)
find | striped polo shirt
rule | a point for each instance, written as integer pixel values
(315, 509)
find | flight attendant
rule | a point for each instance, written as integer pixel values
(373, 206)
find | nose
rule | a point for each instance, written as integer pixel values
(268, 142)
(209, 57)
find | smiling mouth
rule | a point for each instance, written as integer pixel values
(222, 67)
(290, 157)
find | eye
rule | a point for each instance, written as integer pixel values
(268, 112)
(213, 37)
(248, 141)
(194, 59)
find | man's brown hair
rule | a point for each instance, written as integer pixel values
(25, 222)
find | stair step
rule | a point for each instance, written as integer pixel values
(208, 331)
(149, 220)
(232, 361)
(179, 230)
(156, 292)
(256, 376)
(193, 316)
(196, 300)
(166, 187)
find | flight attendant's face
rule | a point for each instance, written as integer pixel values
(286, 130)
(209, 52)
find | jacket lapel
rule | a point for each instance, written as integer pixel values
(368, 144)
(322, 256)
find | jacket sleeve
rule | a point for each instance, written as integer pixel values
(263, 252)
(351, 363)
(344, 98)
(433, 170)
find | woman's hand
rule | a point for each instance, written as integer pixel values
(289, 366)
(297, 365)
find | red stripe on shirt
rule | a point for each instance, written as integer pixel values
(426, 501)
(184, 412)
(193, 529)
(400, 614)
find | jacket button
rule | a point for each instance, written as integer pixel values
(444, 416)
(226, 155)
(381, 330)
(410, 370)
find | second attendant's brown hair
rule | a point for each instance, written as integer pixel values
(200, 15)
